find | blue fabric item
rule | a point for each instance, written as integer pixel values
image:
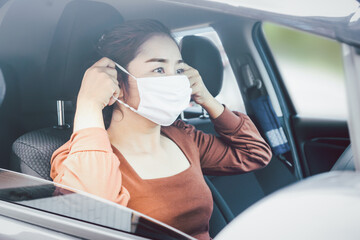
(270, 125)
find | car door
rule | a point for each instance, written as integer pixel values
(308, 75)
(33, 206)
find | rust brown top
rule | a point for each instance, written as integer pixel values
(90, 163)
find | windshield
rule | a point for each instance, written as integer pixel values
(49, 197)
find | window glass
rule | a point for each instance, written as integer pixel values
(229, 94)
(312, 70)
(46, 196)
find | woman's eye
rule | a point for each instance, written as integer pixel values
(180, 71)
(159, 70)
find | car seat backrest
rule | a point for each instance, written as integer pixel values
(72, 51)
(33, 150)
(201, 54)
(9, 112)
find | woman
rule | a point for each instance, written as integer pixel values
(121, 148)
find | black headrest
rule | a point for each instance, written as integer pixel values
(73, 47)
(201, 54)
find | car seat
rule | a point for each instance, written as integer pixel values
(201, 54)
(72, 51)
(231, 194)
(9, 109)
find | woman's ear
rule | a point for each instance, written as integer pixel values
(122, 92)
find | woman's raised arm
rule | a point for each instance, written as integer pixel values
(86, 162)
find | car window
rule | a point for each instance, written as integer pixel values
(50, 197)
(312, 70)
(229, 94)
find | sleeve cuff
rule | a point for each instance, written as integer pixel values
(90, 139)
(228, 121)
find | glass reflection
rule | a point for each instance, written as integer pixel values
(49, 197)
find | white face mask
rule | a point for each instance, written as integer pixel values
(162, 99)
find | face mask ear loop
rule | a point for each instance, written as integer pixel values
(126, 105)
(124, 70)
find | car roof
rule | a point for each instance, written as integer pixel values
(323, 17)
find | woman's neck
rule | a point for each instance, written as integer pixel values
(132, 133)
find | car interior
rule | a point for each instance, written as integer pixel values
(46, 46)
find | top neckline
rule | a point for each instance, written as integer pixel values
(160, 178)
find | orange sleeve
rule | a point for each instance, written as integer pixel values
(87, 162)
(238, 149)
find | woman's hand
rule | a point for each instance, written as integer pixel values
(201, 95)
(99, 84)
(98, 87)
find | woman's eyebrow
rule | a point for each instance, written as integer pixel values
(162, 60)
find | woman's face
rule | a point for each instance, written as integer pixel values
(158, 56)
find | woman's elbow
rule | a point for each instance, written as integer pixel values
(267, 154)
(262, 155)
(267, 157)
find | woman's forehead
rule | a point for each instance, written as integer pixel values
(160, 47)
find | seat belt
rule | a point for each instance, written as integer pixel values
(270, 124)
(265, 115)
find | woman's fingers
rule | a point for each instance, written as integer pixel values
(195, 88)
(192, 74)
(199, 92)
(194, 80)
(110, 71)
(186, 67)
(114, 90)
(105, 62)
(116, 82)
(190, 71)
(115, 95)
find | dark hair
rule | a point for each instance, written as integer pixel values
(122, 44)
